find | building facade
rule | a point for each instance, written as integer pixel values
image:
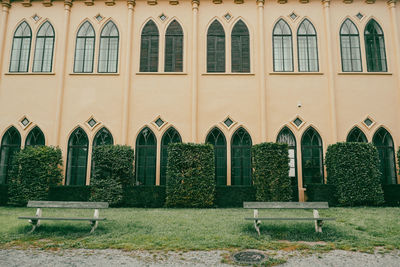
(310, 73)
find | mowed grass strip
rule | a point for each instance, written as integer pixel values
(203, 229)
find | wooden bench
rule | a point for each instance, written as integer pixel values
(288, 205)
(35, 220)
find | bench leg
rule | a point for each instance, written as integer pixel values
(318, 223)
(35, 224)
(257, 222)
(94, 223)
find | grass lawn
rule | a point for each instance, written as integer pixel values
(204, 229)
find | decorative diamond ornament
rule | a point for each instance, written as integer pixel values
(25, 121)
(35, 17)
(359, 15)
(293, 16)
(228, 122)
(162, 17)
(159, 122)
(227, 16)
(92, 122)
(297, 122)
(368, 122)
(99, 17)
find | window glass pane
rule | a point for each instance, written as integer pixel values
(350, 47)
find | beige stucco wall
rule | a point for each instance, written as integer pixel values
(195, 102)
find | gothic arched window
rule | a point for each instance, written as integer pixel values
(216, 47)
(174, 48)
(356, 135)
(307, 47)
(375, 47)
(312, 160)
(282, 46)
(241, 157)
(149, 48)
(43, 60)
(384, 143)
(84, 49)
(109, 49)
(10, 143)
(217, 139)
(78, 145)
(350, 47)
(240, 48)
(169, 137)
(146, 154)
(35, 138)
(21, 48)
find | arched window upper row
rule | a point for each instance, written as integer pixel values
(307, 46)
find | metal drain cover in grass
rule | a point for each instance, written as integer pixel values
(248, 257)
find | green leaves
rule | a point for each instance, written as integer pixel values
(271, 172)
(190, 175)
(353, 168)
(33, 171)
(112, 173)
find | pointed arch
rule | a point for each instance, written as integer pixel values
(84, 48)
(174, 48)
(217, 138)
(241, 157)
(170, 136)
(103, 137)
(149, 47)
(109, 48)
(350, 47)
(356, 135)
(146, 154)
(307, 47)
(215, 47)
(10, 144)
(312, 157)
(375, 47)
(384, 143)
(35, 138)
(44, 48)
(21, 48)
(282, 46)
(78, 145)
(286, 136)
(240, 47)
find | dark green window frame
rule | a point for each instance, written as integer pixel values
(174, 48)
(146, 157)
(350, 53)
(35, 138)
(10, 144)
(240, 48)
(21, 48)
(383, 141)
(312, 157)
(307, 41)
(78, 147)
(85, 42)
(44, 49)
(109, 49)
(149, 47)
(375, 47)
(241, 158)
(216, 47)
(170, 136)
(217, 138)
(356, 135)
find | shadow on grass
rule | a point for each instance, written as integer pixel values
(62, 230)
(298, 231)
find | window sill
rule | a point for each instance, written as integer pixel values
(29, 73)
(161, 73)
(365, 73)
(227, 74)
(94, 74)
(296, 73)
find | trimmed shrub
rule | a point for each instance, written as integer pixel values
(69, 193)
(353, 168)
(190, 175)
(3, 194)
(321, 193)
(112, 172)
(234, 196)
(391, 194)
(271, 172)
(34, 170)
(145, 196)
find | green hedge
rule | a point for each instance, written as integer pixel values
(145, 196)
(271, 172)
(392, 194)
(190, 175)
(69, 193)
(234, 196)
(113, 171)
(353, 168)
(34, 170)
(321, 193)
(3, 194)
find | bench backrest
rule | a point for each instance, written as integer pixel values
(285, 205)
(67, 204)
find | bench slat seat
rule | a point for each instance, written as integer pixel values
(61, 218)
(292, 219)
(67, 204)
(35, 220)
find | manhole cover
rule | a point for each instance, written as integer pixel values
(248, 257)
